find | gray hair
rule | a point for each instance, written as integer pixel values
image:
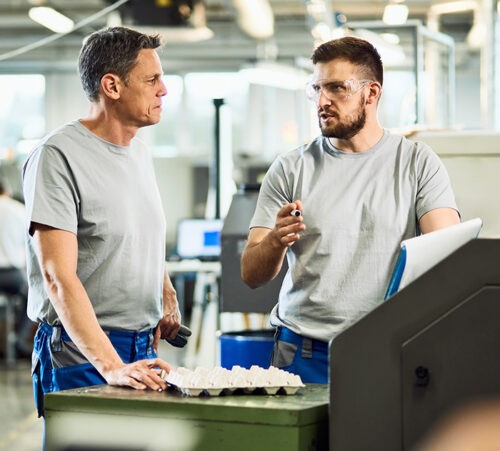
(112, 50)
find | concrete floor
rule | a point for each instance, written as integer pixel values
(20, 427)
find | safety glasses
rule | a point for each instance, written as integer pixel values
(334, 90)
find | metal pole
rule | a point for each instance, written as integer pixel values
(216, 174)
(418, 48)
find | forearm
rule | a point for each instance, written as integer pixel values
(261, 262)
(169, 324)
(169, 293)
(73, 307)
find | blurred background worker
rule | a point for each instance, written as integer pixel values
(13, 264)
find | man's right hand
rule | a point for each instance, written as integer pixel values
(287, 228)
(139, 375)
(263, 255)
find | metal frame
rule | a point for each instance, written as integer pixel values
(419, 31)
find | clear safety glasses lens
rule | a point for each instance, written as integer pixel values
(334, 89)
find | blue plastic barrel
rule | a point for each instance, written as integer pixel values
(246, 348)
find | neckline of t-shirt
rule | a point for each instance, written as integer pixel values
(115, 148)
(340, 153)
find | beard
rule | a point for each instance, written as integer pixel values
(348, 127)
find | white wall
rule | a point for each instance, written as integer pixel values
(472, 160)
(65, 99)
(175, 182)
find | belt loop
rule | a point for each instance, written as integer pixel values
(306, 348)
(55, 339)
(277, 334)
(150, 342)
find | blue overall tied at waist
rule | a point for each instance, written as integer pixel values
(57, 364)
(301, 355)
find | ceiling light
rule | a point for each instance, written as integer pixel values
(395, 14)
(255, 18)
(50, 18)
(178, 34)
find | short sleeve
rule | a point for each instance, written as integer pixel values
(434, 188)
(51, 195)
(274, 194)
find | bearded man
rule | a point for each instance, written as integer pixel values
(361, 191)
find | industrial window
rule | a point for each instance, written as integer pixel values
(21, 114)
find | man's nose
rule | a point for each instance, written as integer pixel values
(323, 99)
(163, 90)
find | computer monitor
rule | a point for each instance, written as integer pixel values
(199, 238)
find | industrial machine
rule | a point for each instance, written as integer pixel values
(235, 295)
(426, 351)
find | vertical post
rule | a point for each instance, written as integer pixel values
(418, 48)
(485, 19)
(216, 171)
(451, 86)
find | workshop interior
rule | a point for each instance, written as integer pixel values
(419, 371)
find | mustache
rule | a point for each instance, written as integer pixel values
(322, 111)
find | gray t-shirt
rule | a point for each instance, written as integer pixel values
(107, 196)
(357, 208)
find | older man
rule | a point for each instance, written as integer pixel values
(96, 229)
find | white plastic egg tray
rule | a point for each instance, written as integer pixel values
(219, 381)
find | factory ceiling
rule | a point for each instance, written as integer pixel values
(229, 48)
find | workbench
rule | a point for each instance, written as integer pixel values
(107, 417)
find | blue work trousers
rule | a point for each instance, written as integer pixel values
(301, 355)
(57, 364)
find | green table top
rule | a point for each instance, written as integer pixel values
(308, 406)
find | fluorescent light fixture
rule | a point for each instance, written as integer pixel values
(395, 14)
(178, 34)
(255, 18)
(50, 18)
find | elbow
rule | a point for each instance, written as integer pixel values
(251, 284)
(247, 280)
(247, 277)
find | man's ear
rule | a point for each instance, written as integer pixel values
(111, 86)
(374, 93)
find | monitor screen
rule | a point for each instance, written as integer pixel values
(199, 238)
